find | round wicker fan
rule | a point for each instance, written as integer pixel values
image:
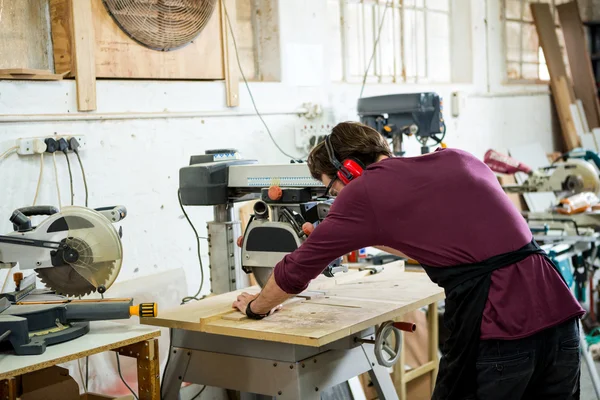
(161, 24)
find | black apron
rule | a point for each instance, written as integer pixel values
(466, 287)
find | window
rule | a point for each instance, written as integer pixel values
(414, 44)
(524, 56)
(257, 37)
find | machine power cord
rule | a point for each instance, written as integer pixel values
(387, 5)
(39, 183)
(7, 152)
(199, 393)
(248, 87)
(123, 379)
(70, 176)
(56, 178)
(194, 297)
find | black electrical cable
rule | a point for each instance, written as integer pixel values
(5, 335)
(194, 297)
(199, 393)
(123, 379)
(374, 50)
(248, 88)
(63, 146)
(74, 145)
(87, 370)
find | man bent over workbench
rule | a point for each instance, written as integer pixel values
(513, 321)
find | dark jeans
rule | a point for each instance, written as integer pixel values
(543, 366)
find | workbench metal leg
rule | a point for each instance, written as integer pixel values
(175, 371)
(380, 376)
(8, 389)
(432, 324)
(148, 367)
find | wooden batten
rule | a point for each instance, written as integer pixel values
(112, 54)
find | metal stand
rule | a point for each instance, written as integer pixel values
(226, 273)
(271, 369)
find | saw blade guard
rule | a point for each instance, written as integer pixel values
(98, 251)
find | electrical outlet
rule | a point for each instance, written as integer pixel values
(36, 145)
(80, 139)
(308, 134)
(30, 146)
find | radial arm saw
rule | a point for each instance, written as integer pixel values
(289, 205)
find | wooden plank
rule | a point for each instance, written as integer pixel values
(560, 93)
(25, 34)
(118, 56)
(148, 367)
(9, 389)
(230, 63)
(564, 95)
(23, 77)
(103, 336)
(82, 26)
(348, 307)
(584, 83)
(422, 370)
(24, 71)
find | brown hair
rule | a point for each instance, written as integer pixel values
(349, 140)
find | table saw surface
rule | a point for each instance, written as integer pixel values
(334, 308)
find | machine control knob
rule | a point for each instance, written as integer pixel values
(18, 277)
(275, 193)
(308, 228)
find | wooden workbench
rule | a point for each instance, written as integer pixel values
(334, 309)
(135, 341)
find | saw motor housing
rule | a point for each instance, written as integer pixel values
(277, 228)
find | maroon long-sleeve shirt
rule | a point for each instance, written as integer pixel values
(441, 209)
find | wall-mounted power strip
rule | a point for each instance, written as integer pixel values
(36, 145)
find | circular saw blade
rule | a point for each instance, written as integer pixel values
(99, 249)
(262, 275)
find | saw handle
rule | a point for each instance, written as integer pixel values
(20, 220)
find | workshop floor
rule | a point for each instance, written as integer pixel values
(587, 389)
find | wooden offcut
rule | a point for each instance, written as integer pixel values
(82, 26)
(353, 301)
(584, 84)
(29, 74)
(563, 93)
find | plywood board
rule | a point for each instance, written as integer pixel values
(584, 83)
(352, 302)
(563, 93)
(103, 336)
(25, 34)
(118, 56)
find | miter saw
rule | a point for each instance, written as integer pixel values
(290, 205)
(75, 251)
(568, 177)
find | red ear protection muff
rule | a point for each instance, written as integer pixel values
(348, 170)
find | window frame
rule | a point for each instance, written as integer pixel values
(400, 63)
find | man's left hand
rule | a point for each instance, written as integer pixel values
(242, 302)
